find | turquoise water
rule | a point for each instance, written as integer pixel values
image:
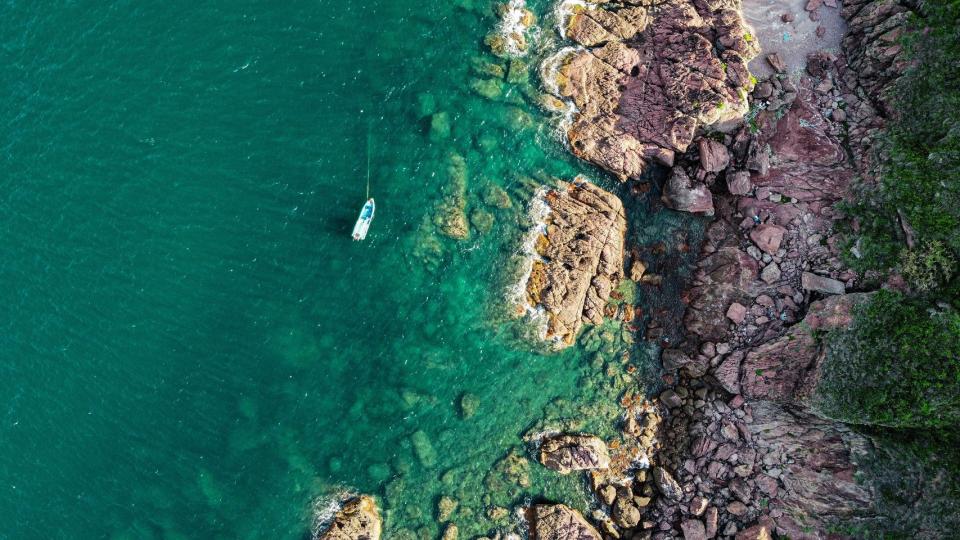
(192, 346)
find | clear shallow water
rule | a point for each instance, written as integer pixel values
(191, 345)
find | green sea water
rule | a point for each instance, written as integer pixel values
(191, 346)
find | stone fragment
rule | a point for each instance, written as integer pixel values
(737, 508)
(770, 274)
(776, 63)
(625, 514)
(636, 271)
(693, 529)
(768, 237)
(757, 532)
(672, 359)
(738, 183)
(670, 398)
(686, 195)
(665, 483)
(813, 282)
(714, 156)
(737, 312)
(608, 494)
(728, 373)
(566, 453)
(698, 505)
(711, 516)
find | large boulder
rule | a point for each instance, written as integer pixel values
(650, 78)
(581, 258)
(559, 522)
(359, 519)
(684, 194)
(566, 453)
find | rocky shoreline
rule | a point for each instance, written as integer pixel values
(733, 447)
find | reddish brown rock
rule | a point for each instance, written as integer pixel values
(714, 156)
(643, 99)
(693, 529)
(686, 195)
(776, 63)
(785, 369)
(768, 237)
(738, 183)
(582, 258)
(736, 312)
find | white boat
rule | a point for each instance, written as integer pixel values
(363, 222)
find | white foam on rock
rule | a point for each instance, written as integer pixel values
(565, 9)
(512, 25)
(324, 509)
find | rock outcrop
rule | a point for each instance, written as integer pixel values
(650, 79)
(359, 519)
(581, 258)
(566, 453)
(559, 522)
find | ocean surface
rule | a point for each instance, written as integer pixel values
(191, 346)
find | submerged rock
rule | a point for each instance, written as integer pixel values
(582, 258)
(560, 522)
(451, 215)
(359, 519)
(566, 453)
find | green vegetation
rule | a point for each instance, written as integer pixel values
(920, 149)
(896, 369)
(898, 365)
(903, 358)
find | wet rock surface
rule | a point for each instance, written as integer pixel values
(581, 258)
(359, 519)
(566, 453)
(651, 78)
(560, 522)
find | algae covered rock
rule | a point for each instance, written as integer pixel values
(446, 506)
(469, 403)
(450, 216)
(423, 448)
(495, 196)
(439, 126)
(481, 220)
(359, 519)
(566, 453)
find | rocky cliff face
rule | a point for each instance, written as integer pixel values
(581, 258)
(874, 61)
(649, 78)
